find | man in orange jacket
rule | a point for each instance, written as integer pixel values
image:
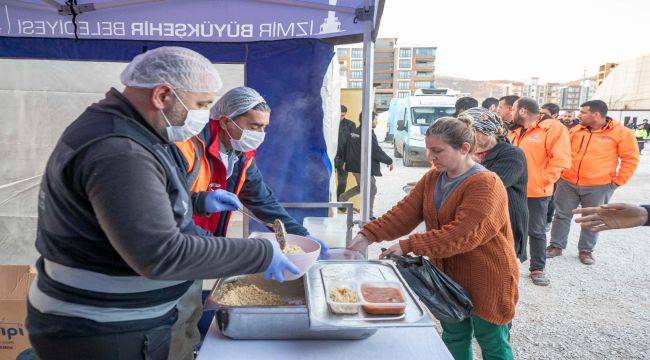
(604, 157)
(548, 152)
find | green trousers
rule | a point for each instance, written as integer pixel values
(493, 339)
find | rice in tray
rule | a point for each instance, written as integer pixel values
(235, 294)
(343, 295)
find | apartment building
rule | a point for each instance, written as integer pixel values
(399, 69)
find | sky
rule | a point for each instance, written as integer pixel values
(556, 40)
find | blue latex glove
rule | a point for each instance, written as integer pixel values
(279, 263)
(221, 200)
(323, 248)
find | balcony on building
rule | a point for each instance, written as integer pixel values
(424, 65)
(384, 56)
(424, 53)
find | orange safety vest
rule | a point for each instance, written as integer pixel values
(205, 171)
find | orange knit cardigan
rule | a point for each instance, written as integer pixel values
(470, 239)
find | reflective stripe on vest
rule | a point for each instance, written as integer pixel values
(49, 305)
(94, 281)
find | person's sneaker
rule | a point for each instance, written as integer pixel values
(539, 278)
(586, 257)
(552, 251)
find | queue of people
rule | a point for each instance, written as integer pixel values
(518, 155)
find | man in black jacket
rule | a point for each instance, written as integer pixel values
(353, 162)
(115, 233)
(346, 127)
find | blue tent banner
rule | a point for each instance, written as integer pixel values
(213, 21)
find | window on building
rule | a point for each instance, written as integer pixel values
(343, 73)
(356, 74)
(384, 66)
(405, 63)
(425, 52)
(405, 53)
(403, 94)
(403, 85)
(383, 85)
(402, 74)
(423, 84)
(357, 53)
(383, 100)
(383, 76)
(423, 63)
(424, 74)
(356, 64)
(383, 55)
(354, 84)
(342, 52)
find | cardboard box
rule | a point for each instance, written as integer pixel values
(14, 286)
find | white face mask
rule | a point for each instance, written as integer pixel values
(249, 141)
(195, 121)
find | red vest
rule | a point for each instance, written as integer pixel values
(217, 175)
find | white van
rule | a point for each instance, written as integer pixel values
(413, 116)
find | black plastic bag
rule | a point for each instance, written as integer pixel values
(446, 300)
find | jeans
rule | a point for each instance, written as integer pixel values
(537, 211)
(341, 182)
(357, 190)
(568, 197)
(150, 344)
(493, 339)
(551, 207)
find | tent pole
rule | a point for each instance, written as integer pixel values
(366, 127)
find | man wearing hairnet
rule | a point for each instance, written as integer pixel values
(222, 157)
(115, 232)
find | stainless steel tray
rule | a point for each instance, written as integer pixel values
(354, 270)
(272, 322)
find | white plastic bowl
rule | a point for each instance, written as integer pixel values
(302, 261)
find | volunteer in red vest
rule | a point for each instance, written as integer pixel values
(222, 159)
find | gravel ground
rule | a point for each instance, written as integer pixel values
(588, 312)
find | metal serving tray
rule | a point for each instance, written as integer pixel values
(272, 322)
(359, 271)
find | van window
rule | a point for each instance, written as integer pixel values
(427, 115)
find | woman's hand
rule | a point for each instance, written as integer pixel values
(393, 249)
(359, 243)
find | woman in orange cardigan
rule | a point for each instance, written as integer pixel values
(468, 237)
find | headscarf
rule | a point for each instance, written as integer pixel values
(485, 122)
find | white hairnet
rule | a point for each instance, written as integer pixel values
(181, 68)
(236, 102)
